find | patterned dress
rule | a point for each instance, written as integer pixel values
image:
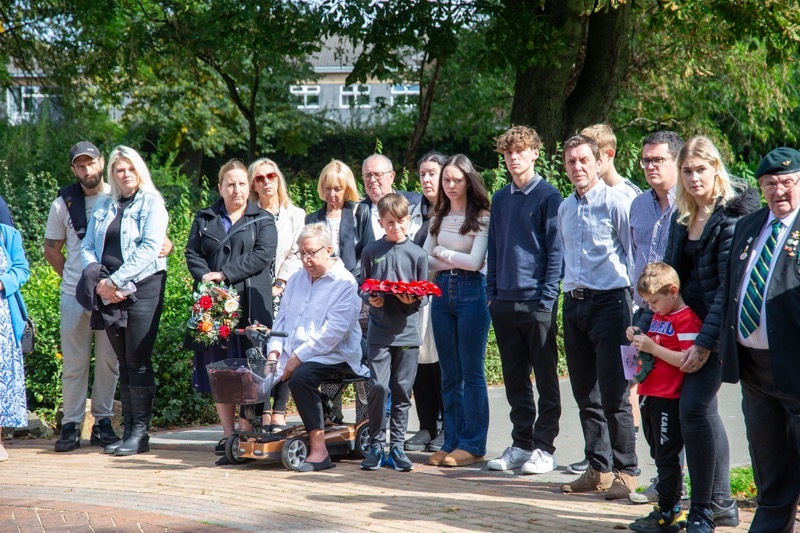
(13, 410)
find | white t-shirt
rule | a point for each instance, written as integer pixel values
(59, 227)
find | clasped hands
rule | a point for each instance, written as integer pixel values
(108, 291)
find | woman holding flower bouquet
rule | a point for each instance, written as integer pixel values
(232, 244)
(122, 245)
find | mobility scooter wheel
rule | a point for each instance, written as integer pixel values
(362, 440)
(294, 453)
(232, 450)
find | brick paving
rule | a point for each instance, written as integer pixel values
(177, 488)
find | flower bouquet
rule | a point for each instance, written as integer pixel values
(413, 288)
(214, 314)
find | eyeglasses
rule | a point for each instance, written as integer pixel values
(272, 176)
(787, 184)
(307, 255)
(655, 161)
(375, 175)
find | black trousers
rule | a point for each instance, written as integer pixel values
(526, 339)
(772, 418)
(304, 385)
(661, 426)
(594, 329)
(134, 343)
(428, 396)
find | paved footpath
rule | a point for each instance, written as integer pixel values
(175, 487)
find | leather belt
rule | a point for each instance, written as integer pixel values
(583, 293)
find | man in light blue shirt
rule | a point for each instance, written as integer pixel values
(595, 230)
(651, 211)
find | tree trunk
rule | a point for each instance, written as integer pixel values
(559, 101)
(425, 104)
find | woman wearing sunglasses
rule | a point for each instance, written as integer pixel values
(268, 190)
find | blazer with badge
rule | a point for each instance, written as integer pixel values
(782, 302)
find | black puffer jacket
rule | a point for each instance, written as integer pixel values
(712, 265)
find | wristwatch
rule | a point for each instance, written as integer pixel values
(280, 284)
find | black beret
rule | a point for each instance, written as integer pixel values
(779, 161)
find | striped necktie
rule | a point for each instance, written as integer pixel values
(750, 317)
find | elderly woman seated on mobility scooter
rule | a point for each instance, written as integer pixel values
(319, 311)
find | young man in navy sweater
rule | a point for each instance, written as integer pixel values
(525, 267)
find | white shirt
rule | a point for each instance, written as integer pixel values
(377, 230)
(321, 319)
(59, 228)
(758, 338)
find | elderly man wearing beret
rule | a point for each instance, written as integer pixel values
(759, 338)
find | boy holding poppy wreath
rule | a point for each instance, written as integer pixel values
(393, 336)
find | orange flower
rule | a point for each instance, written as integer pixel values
(205, 327)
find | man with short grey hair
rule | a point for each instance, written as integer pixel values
(378, 175)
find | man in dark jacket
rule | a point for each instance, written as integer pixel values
(378, 176)
(760, 306)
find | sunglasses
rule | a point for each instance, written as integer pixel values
(272, 176)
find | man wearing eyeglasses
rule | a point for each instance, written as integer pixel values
(651, 211)
(758, 342)
(378, 175)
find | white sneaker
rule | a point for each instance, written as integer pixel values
(512, 458)
(540, 462)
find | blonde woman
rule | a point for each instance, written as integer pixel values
(348, 221)
(268, 190)
(708, 204)
(123, 243)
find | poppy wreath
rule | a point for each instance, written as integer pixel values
(413, 288)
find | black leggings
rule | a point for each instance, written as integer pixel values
(704, 436)
(134, 343)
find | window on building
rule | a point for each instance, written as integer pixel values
(22, 103)
(305, 96)
(354, 96)
(405, 95)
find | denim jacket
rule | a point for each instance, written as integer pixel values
(142, 230)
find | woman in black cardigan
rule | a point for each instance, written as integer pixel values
(708, 206)
(232, 242)
(348, 221)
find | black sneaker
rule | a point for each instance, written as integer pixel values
(374, 458)
(70, 438)
(437, 443)
(578, 468)
(725, 515)
(219, 449)
(398, 459)
(418, 442)
(103, 433)
(701, 520)
(658, 522)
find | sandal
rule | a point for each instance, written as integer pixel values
(219, 449)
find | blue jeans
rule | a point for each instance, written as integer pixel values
(460, 321)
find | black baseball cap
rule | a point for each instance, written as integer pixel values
(83, 148)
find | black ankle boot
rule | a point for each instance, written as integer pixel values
(142, 407)
(127, 418)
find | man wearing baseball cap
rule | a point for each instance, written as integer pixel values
(758, 342)
(66, 226)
